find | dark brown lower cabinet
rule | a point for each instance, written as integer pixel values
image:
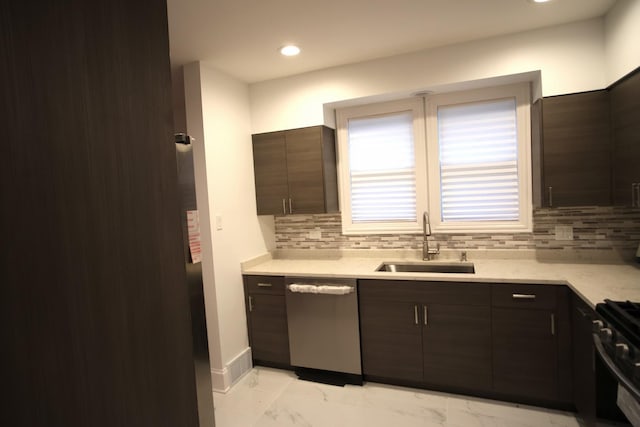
(267, 320)
(269, 336)
(584, 376)
(525, 355)
(391, 340)
(456, 346)
(427, 333)
(531, 335)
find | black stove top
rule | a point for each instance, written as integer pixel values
(624, 316)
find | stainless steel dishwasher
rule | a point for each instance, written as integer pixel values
(324, 330)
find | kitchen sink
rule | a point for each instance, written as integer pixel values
(427, 267)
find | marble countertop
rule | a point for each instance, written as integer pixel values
(592, 280)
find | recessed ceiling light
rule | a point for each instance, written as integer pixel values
(290, 50)
(539, 1)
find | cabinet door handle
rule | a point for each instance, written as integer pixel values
(415, 314)
(523, 296)
(284, 207)
(637, 194)
(290, 210)
(250, 303)
(550, 196)
(426, 315)
(264, 285)
(553, 324)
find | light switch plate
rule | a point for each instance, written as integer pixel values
(564, 232)
(218, 222)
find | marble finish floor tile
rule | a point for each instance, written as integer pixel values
(274, 398)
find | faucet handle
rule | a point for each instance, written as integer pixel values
(463, 256)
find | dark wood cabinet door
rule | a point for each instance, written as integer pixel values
(584, 377)
(625, 118)
(305, 170)
(576, 149)
(391, 340)
(457, 346)
(270, 171)
(268, 329)
(525, 356)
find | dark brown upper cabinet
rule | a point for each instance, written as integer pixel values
(586, 146)
(295, 171)
(625, 123)
(575, 149)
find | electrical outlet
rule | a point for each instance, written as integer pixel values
(564, 232)
(315, 234)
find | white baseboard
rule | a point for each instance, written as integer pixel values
(223, 379)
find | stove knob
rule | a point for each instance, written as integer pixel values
(622, 350)
(606, 334)
(597, 325)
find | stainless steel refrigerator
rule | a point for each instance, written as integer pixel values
(187, 187)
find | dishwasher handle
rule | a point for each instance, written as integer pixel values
(321, 289)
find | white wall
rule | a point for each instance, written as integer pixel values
(622, 39)
(226, 191)
(570, 58)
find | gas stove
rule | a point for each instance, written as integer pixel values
(616, 337)
(619, 333)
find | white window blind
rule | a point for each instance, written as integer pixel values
(382, 168)
(478, 150)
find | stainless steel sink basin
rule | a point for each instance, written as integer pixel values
(427, 267)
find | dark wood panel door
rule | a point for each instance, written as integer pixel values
(457, 346)
(391, 340)
(94, 314)
(305, 170)
(576, 149)
(625, 117)
(584, 376)
(270, 171)
(268, 328)
(525, 356)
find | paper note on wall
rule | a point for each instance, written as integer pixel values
(193, 228)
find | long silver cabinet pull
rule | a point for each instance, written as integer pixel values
(426, 316)
(553, 324)
(523, 296)
(290, 210)
(264, 285)
(284, 207)
(250, 303)
(550, 196)
(415, 314)
(638, 194)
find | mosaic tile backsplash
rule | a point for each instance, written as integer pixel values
(594, 227)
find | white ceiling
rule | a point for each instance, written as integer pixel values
(242, 37)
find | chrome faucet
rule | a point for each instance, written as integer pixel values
(427, 254)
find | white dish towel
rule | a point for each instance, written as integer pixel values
(320, 289)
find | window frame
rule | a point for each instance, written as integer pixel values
(522, 95)
(427, 168)
(416, 107)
